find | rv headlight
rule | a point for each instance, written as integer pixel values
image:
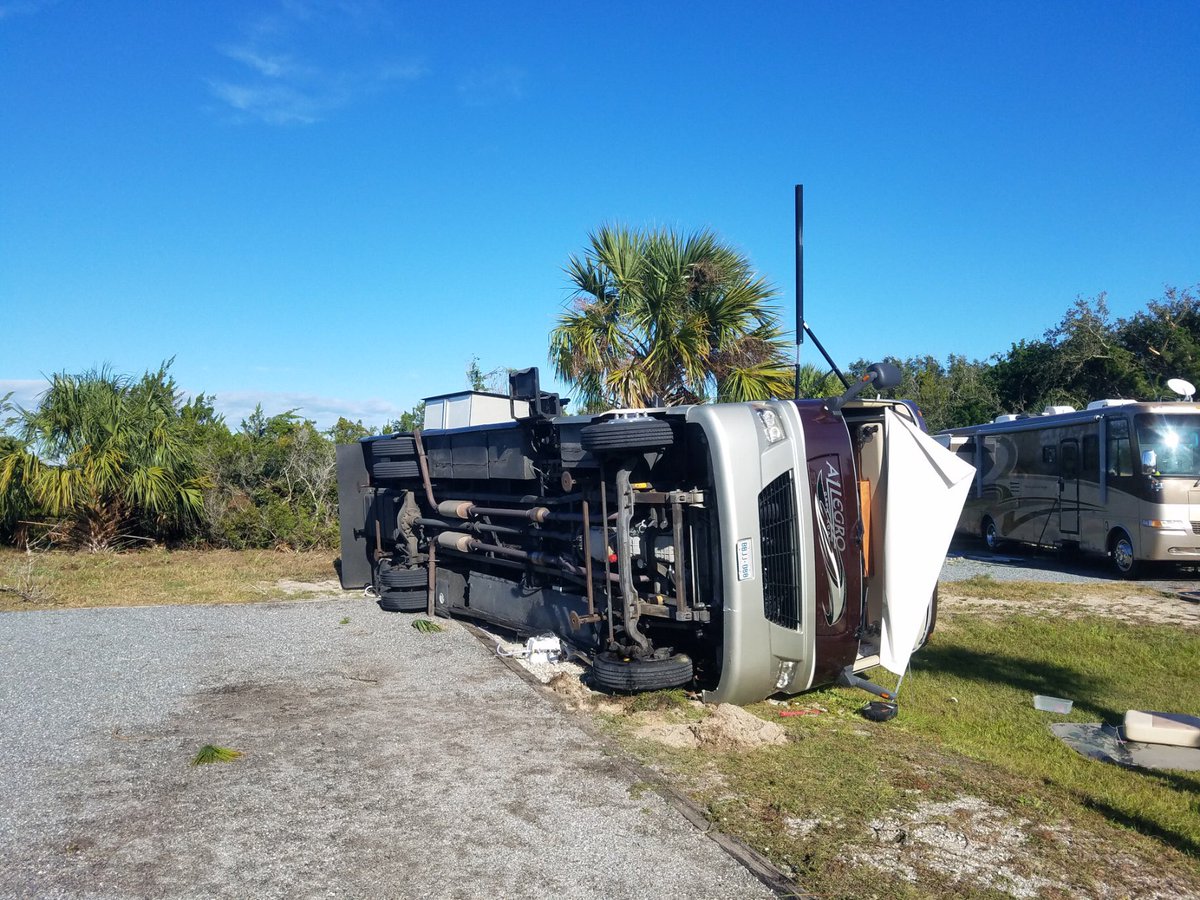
(1167, 524)
(771, 428)
(787, 671)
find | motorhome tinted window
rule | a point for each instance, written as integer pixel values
(1175, 441)
(1120, 459)
(1091, 455)
(1070, 459)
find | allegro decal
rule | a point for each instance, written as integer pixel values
(829, 501)
(831, 535)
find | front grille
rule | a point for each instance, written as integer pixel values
(1196, 528)
(780, 562)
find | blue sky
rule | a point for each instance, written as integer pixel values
(334, 205)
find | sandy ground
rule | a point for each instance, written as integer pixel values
(1138, 605)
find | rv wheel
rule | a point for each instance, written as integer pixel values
(1123, 560)
(991, 536)
(930, 619)
(626, 434)
(393, 447)
(396, 577)
(404, 601)
(616, 673)
(396, 468)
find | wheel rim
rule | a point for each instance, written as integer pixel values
(990, 537)
(1123, 554)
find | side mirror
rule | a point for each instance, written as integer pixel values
(881, 375)
(1149, 462)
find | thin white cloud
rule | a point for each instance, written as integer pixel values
(286, 68)
(237, 406)
(273, 104)
(25, 391)
(270, 66)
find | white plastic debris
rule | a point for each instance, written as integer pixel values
(545, 648)
(1052, 704)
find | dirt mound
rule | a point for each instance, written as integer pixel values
(726, 728)
(732, 728)
(568, 686)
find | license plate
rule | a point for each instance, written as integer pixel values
(745, 560)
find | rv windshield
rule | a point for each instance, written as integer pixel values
(1175, 440)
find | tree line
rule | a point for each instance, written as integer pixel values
(110, 461)
(107, 460)
(1087, 356)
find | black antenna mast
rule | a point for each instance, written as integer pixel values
(802, 326)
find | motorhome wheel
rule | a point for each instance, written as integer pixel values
(930, 619)
(397, 468)
(393, 447)
(395, 577)
(403, 601)
(1124, 562)
(991, 536)
(626, 434)
(616, 673)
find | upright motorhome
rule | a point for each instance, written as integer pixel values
(1120, 478)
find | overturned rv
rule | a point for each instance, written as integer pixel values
(745, 548)
(1120, 478)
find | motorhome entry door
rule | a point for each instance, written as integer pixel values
(1068, 486)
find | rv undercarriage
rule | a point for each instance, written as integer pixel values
(613, 552)
(736, 547)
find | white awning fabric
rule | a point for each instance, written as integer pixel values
(926, 488)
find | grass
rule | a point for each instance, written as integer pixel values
(993, 669)
(155, 577)
(985, 587)
(210, 753)
(967, 728)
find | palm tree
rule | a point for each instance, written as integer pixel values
(660, 318)
(816, 383)
(107, 456)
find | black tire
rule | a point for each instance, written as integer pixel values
(400, 447)
(1124, 563)
(396, 468)
(930, 620)
(404, 601)
(626, 434)
(990, 534)
(390, 577)
(615, 673)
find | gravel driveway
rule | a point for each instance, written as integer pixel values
(379, 762)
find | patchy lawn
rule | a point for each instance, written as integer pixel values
(967, 793)
(153, 577)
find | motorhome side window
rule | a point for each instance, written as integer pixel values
(1091, 457)
(1120, 458)
(987, 459)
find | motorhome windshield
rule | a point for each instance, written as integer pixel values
(1175, 440)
